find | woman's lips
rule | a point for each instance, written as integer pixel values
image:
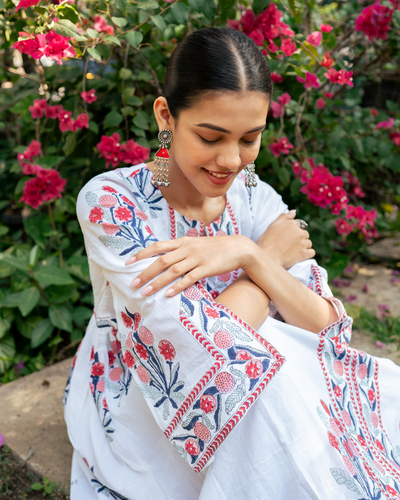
(218, 177)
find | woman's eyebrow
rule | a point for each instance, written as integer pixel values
(220, 129)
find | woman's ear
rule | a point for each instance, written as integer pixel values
(162, 113)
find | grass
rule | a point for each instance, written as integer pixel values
(17, 483)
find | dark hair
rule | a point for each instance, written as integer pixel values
(212, 60)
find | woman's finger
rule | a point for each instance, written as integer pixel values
(158, 266)
(155, 249)
(306, 234)
(183, 268)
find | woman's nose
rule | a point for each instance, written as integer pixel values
(229, 158)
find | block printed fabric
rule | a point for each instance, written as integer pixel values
(159, 384)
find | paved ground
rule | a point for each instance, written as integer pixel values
(32, 421)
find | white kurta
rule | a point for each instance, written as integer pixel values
(159, 385)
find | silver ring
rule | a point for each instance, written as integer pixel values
(303, 223)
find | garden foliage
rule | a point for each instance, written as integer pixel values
(78, 82)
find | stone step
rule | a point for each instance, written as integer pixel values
(32, 421)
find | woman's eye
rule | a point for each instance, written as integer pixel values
(207, 142)
(249, 143)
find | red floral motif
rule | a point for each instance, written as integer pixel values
(115, 374)
(97, 369)
(105, 405)
(145, 335)
(339, 347)
(333, 441)
(374, 419)
(110, 229)
(338, 392)
(371, 395)
(92, 354)
(349, 465)
(123, 214)
(91, 388)
(138, 319)
(202, 432)
(143, 374)
(379, 445)
(338, 367)
(141, 351)
(108, 200)
(362, 371)
(192, 447)
(128, 321)
(224, 382)
(325, 407)
(116, 346)
(208, 403)
(241, 355)
(362, 442)
(348, 449)
(96, 214)
(192, 232)
(140, 215)
(129, 359)
(223, 339)
(224, 277)
(100, 386)
(210, 312)
(111, 358)
(214, 294)
(346, 417)
(167, 350)
(254, 369)
(334, 428)
(110, 189)
(127, 201)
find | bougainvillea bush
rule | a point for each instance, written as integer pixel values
(78, 80)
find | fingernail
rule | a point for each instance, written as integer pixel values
(130, 261)
(135, 283)
(291, 212)
(147, 290)
(169, 292)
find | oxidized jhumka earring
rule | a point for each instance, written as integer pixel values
(161, 160)
(250, 175)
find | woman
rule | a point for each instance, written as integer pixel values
(184, 339)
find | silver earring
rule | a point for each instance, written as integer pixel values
(250, 175)
(161, 160)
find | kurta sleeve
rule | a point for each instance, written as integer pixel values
(198, 365)
(266, 205)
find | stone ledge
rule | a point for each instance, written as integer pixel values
(32, 421)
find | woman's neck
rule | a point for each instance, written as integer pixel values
(186, 200)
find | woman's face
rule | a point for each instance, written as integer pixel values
(215, 139)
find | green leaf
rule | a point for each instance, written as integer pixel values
(120, 21)
(70, 143)
(28, 299)
(159, 22)
(52, 275)
(134, 101)
(180, 13)
(259, 5)
(225, 6)
(60, 317)
(94, 53)
(37, 486)
(10, 300)
(140, 120)
(7, 353)
(112, 119)
(2, 5)
(5, 325)
(396, 18)
(68, 11)
(15, 262)
(27, 325)
(125, 73)
(82, 315)
(134, 38)
(34, 255)
(66, 28)
(112, 39)
(93, 33)
(4, 230)
(41, 333)
(5, 270)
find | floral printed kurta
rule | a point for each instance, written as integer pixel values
(159, 385)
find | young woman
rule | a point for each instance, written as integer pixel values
(209, 311)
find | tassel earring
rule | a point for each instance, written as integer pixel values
(161, 160)
(250, 175)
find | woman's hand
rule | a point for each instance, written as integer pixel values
(286, 242)
(196, 258)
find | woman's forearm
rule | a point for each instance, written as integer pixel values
(297, 304)
(246, 300)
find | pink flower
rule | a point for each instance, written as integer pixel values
(110, 148)
(386, 124)
(314, 38)
(329, 95)
(327, 61)
(38, 108)
(341, 77)
(123, 214)
(100, 25)
(24, 4)
(276, 78)
(395, 136)
(47, 186)
(81, 121)
(309, 81)
(257, 37)
(34, 149)
(374, 112)
(320, 103)
(282, 146)
(272, 47)
(374, 21)
(89, 96)
(50, 45)
(278, 109)
(326, 28)
(53, 112)
(64, 119)
(134, 153)
(288, 47)
(343, 227)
